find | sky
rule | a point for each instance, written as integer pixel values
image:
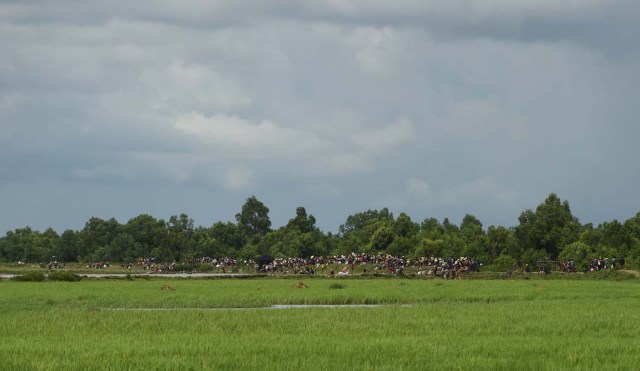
(432, 108)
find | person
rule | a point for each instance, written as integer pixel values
(572, 265)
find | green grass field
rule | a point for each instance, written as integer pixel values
(423, 324)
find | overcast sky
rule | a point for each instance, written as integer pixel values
(434, 108)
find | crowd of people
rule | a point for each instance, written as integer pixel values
(598, 264)
(372, 263)
(340, 265)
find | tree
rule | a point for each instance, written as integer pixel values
(382, 238)
(432, 228)
(448, 226)
(205, 244)
(617, 236)
(123, 248)
(549, 228)
(583, 254)
(254, 220)
(475, 239)
(470, 222)
(67, 250)
(302, 222)
(97, 233)
(405, 227)
(361, 221)
(148, 233)
(501, 241)
(632, 226)
(47, 244)
(17, 245)
(181, 231)
(228, 234)
(357, 232)
(429, 247)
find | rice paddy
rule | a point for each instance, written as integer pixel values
(320, 324)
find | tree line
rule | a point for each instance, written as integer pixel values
(548, 231)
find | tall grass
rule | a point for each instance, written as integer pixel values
(450, 325)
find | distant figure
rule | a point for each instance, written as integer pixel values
(572, 265)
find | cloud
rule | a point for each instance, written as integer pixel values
(386, 138)
(231, 136)
(437, 107)
(222, 137)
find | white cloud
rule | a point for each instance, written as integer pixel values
(179, 87)
(232, 136)
(221, 137)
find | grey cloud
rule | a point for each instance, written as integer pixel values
(434, 108)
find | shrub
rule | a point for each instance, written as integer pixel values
(30, 277)
(183, 267)
(204, 267)
(64, 276)
(336, 286)
(504, 263)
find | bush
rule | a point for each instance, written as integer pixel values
(504, 263)
(205, 267)
(64, 276)
(183, 267)
(30, 277)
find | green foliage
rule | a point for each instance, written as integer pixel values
(358, 230)
(532, 256)
(548, 231)
(302, 222)
(404, 227)
(471, 324)
(382, 238)
(254, 219)
(205, 267)
(184, 267)
(584, 254)
(501, 240)
(429, 247)
(64, 276)
(549, 228)
(30, 277)
(503, 263)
